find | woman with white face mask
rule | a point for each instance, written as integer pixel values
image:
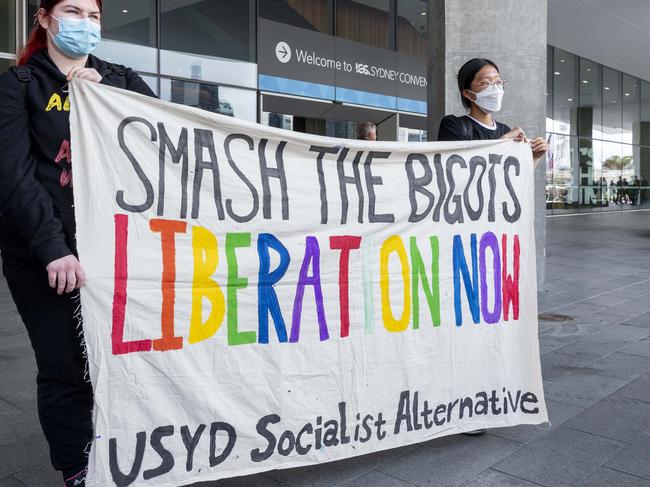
(37, 226)
(482, 89)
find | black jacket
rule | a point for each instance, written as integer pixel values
(36, 205)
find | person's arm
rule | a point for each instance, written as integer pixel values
(450, 129)
(24, 203)
(539, 146)
(135, 83)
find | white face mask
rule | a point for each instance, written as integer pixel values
(489, 100)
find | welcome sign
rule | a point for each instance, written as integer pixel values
(261, 299)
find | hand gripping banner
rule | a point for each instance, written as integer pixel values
(261, 299)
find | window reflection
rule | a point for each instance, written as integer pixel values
(565, 93)
(306, 14)
(365, 21)
(5, 64)
(631, 113)
(590, 114)
(412, 27)
(8, 31)
(612, 105)
(606, 167)
(222, 29)
(128, 21)
(232, 102)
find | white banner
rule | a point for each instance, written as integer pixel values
(261, 299)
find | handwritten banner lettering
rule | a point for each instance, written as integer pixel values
(261, 299)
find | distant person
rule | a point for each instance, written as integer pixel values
(636, 190)
(481, 92)
(367, 131)
(644, 189)
(620, 194)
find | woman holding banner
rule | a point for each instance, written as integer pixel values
(37, 226)
(481, 91)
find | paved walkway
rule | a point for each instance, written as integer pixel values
(596, 369)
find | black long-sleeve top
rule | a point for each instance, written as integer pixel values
(37, 223)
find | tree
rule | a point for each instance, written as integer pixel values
(617, 163)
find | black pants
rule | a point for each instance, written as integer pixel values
(65, 398)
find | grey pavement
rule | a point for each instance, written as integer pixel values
(596, 371)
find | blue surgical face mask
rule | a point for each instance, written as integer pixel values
(76, 37)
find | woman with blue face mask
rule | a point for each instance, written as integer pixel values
(37, 227)
(481, 90)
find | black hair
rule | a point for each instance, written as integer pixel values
(467, 73)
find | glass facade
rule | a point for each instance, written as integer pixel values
(365, 21)
(598, 127)
(220, 29)
(7, 34)
(8, 26)
(598, 118)
(412, 27)
(203, 53)
(307, 14)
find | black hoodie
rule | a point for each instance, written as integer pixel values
(36, 205)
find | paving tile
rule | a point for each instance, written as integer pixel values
(626, 334)
(601, 319)
(10, 482)
(558, 413)
(375, 479)
(549, 344)
(19, 427)
(580, 309)
(330, 474)
(634, 459)
(638, 389)
(565, 457)
(582, 389)
(632, 292)
(588, 350)
(607, 300)
(450, 460)
(556, 365)
(619, 366)
(605, 477)
(39, 476)
(642, 347)
(642, 320)
(25, 453)
(573, 329)
(625, 281)
(492, 478)
(616, 417)
(630, 308)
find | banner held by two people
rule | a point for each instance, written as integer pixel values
(261, 299)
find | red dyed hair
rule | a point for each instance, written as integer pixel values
(38, 37)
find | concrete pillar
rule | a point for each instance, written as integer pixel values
(463, 30)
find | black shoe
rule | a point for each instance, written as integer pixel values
(78, 480)
(475, 432)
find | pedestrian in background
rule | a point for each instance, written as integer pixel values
(367, 131)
